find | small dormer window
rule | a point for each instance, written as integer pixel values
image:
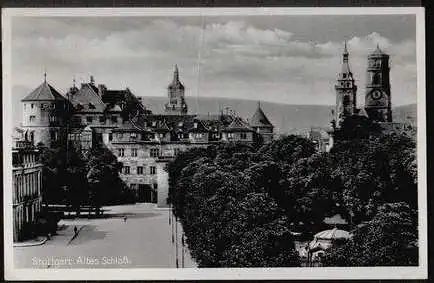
(344, 75)
(154, 123)
(195, 125)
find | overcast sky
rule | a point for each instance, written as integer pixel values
(287, 59)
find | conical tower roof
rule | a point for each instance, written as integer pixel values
(176, 83)
(259, 119)
(345, 73)
(44, 92)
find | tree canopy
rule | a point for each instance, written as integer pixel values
(240, 205)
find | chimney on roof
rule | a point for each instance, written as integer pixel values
(101, 89)
(92, 80)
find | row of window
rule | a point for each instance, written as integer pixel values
(120, 136)
(139, 170)
(243, 135)
(135, 186)
(43, 105)
(102, 119)
(154, 152)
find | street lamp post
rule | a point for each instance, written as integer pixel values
(176, 241)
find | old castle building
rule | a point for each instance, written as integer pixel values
(143, 141)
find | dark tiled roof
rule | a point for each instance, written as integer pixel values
(259, 119)
(129, 126)
(238, 125)
(200, 127)
(44, 92)
(87, 99)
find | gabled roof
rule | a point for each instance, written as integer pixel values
(44, 92)
(238, 125)
(87, 99)
(200, 127)
(259, 119)
(161, 126)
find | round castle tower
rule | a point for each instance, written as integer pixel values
(44, 115)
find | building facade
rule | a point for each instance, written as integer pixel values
(26, 186)
(145, 142)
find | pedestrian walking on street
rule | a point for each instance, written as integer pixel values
(75, 230)
(125, 219)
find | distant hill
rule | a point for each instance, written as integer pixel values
(286, 118)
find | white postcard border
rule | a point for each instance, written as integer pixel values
(12, 273)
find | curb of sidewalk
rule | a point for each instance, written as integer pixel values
(31, 244)
(75, 235)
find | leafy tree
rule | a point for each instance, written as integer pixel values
(63, 175)
(356, 127)
(289, 149)
(103, 177)
(389, 239)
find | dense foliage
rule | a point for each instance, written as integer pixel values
(240, 205)
(73, 178)
(388, 239)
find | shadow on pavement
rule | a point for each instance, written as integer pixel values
(88, 233)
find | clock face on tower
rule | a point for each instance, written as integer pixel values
(376, 94)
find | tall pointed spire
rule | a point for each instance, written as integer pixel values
(345, 55)
(73, 81)
(176, 74)
(45, 76)
(345, 65)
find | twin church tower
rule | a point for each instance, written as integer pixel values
(378, 106)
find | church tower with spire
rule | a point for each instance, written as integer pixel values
(176, 104)
(346, 91)
(378, 97)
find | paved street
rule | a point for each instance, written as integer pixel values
(143, 240)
